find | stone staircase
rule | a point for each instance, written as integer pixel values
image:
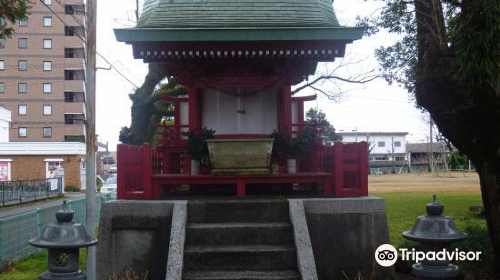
(239, 240)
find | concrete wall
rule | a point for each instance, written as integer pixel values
(345, 233)
(5, 118)
(134, 236)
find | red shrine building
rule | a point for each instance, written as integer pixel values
(239, 60)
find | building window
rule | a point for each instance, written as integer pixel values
(381, 144)
(47, 2)
(70, 75)
(2, 43)
(78, 31)
(47, 66)
(2, 87)
(74, 9)
(22, 132)
(47, 43)
(22, 43)
(47, 88)
(74, 119)
(23, 22)
(397, 143)
(22, 88)
(47, 21)
(47, 110)
(71, 97)
(47, 132)
(22, 65)
(400, 158)
(74, 53)
(381, 158)
(22, 110)
(2, 64)
(74, 138)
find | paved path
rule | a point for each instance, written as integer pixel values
(15, 210)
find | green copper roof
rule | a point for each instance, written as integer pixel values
(237, 20)
(237, 13)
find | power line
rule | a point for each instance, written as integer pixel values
(83, 40)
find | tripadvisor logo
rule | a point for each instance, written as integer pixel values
(386, 255)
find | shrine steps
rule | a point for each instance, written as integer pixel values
(239, 240)
(239, 233)
(242, 275)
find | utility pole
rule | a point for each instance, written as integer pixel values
(431, 155)
(90, 102)
(393, 157)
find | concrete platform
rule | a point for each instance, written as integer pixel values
(344, 234)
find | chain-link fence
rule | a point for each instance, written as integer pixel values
(17, 230)
(18, 191)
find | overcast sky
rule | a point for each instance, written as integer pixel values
(372, 107)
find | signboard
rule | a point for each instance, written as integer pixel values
(4, 171)
(53, 184)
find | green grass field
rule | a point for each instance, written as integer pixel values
(31, 268)
(406, 195)
(404, 208)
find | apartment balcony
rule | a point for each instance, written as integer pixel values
(74, 86)
(74, 63)
(74, 2)
(73, 42)
(74, 129)
(74, 108)
(76, 19)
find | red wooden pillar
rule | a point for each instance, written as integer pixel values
(193, 100)
(146, 171)
(300, 115)
(363, 168)
(338, 168)
(240, 187)
(287, 107)
(121, 157)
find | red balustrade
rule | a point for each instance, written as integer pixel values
(141, 168)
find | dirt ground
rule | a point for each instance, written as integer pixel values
(452, 182)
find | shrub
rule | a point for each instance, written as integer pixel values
(70, 188)
(478, 240)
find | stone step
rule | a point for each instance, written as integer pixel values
(242, 257)
(238, 211)
(239, 233)
(241, 275)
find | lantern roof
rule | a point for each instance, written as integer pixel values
(237, 20)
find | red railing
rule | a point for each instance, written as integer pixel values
(172, 133)
(347, 164)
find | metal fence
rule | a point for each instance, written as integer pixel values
(17, 230)
(17, 191)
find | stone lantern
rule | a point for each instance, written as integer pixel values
(435, 233)
(63, 239)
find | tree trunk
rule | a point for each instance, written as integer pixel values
(489, 176)
(450, 103)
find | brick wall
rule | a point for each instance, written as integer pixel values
(33, 167)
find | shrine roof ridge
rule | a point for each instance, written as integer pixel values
(237, 13)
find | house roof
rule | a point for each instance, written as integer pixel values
(237, 20)
(438, 147)
(372, 133)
